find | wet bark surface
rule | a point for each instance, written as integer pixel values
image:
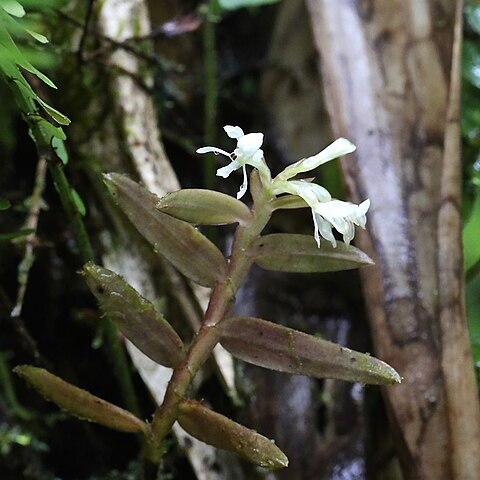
(390, 74)
(320, 424)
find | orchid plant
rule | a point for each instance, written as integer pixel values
(169, 225)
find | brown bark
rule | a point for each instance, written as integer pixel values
(391, 81)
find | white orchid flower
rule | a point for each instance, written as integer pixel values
(326, 212)
(338, 148)
(248, 152)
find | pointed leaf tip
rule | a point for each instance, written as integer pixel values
(221, 432)
(273, 346)
(79, 402)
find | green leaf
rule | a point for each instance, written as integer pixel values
(50, 131)
(286, 350)
(59, 146)
(471, 236)
(4, 204)
(180, 243)
(13, 8)
(37, 36)
(288, 252)
(17, 56)
(204, 207)
(234, 4)
(55, 114)
(78, 402)
(135, 316)
(471, 62)
(77, 200)
(472, 15)
(221, 432)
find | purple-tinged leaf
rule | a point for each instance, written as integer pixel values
(78, 402)
(289, 252)
(221, 432)
(204, 207)
(283, 349)
(178, 241)
(135, 316)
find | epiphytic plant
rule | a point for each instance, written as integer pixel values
(168, 224)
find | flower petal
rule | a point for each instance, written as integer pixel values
(248, 145)
(316, 228)
(325, 230)
(363, 207)
(244, 185)
(336, 149)
(228, 169)
(215, 150)
(233, 132)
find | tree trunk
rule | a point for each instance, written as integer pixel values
(391, 79)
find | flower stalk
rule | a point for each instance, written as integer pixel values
(208, 336)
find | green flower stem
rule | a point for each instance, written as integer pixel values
(45, 151)
(208, 336)
(211, 93)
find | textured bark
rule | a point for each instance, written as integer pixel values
(391, 79)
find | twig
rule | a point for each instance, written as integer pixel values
(88, 17)
(32, 224)
(19, 326)
(114, 43)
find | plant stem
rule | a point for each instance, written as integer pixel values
(211, 93)
(9, 391)
(208, 336)
(62, 185)
(31, 224)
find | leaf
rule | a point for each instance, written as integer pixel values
(180, 243)
(51, 132)
(204, 207)
(55, 114)
(79, 402)
(77, 200)
(471, 234)
(37, 36)
(472, 15)
(286, 350)
(221, 432)
(289, 252)
(234, 4)
(471, 62)
(17, 56)
(13, 8)
(135, 316)
(59, 146)
(4, 204)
